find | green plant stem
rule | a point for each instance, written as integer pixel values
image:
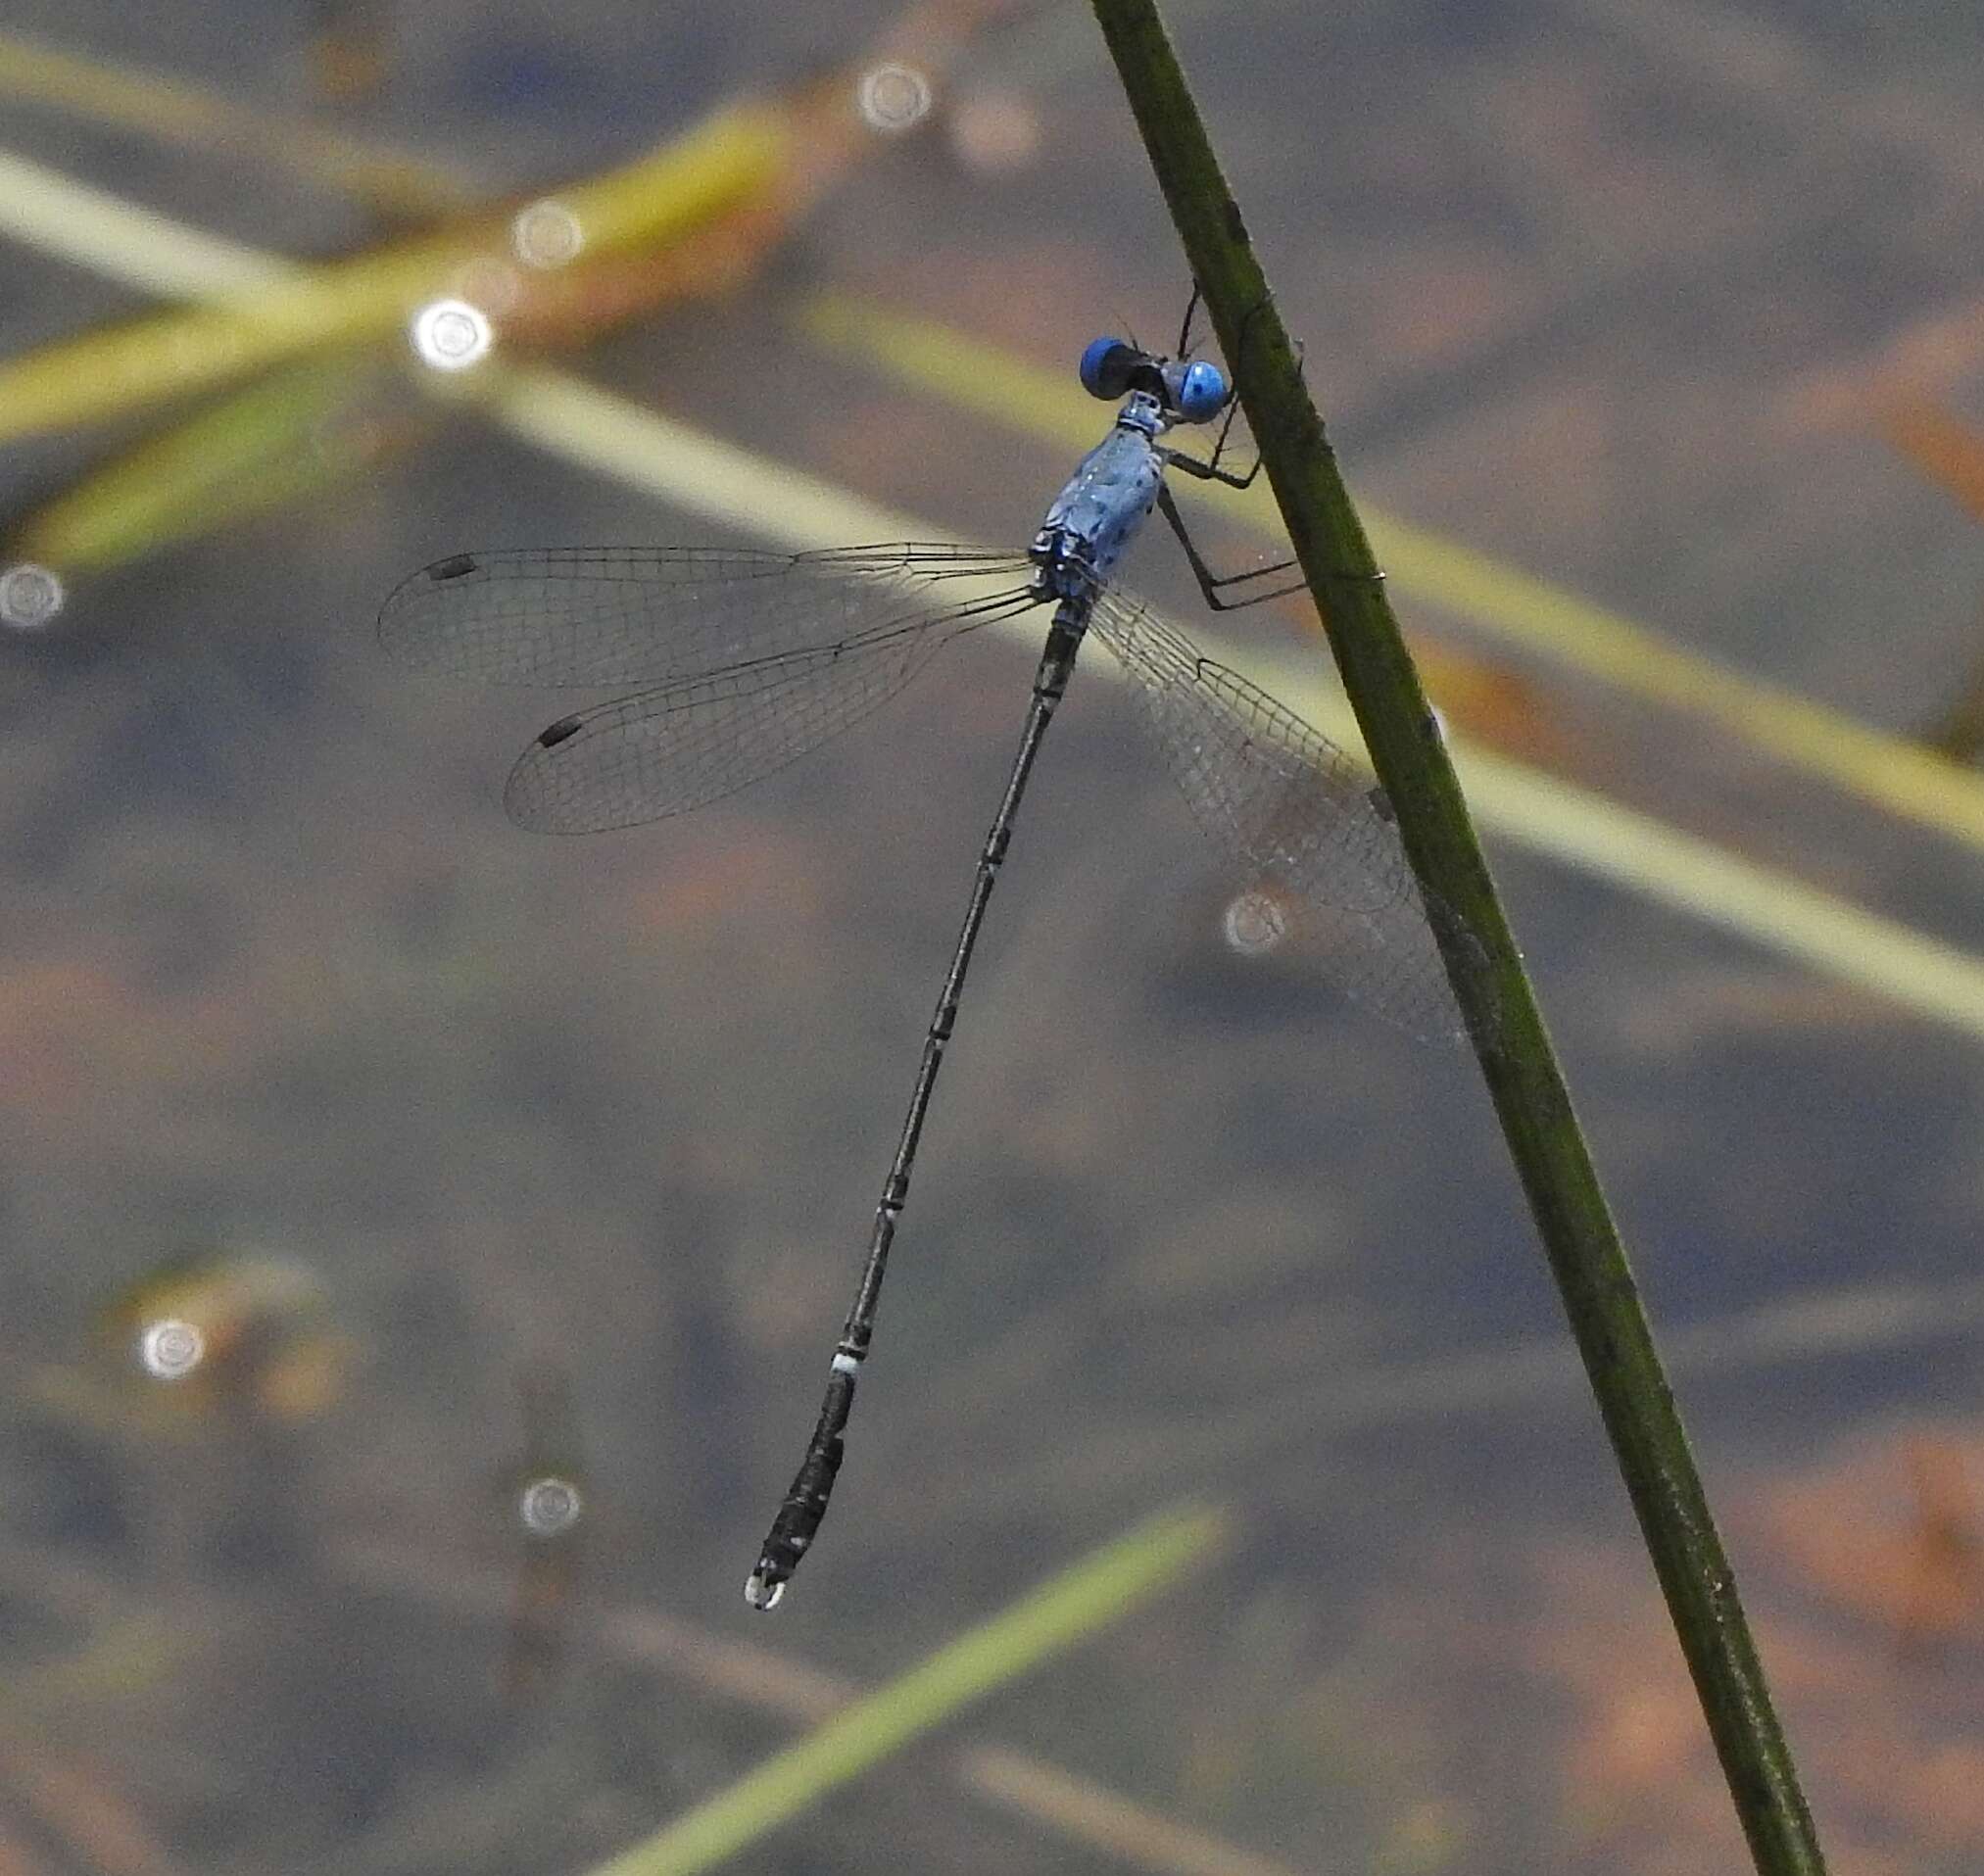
(1408, 752)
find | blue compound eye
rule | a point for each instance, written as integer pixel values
(1106, 367)
(1202, 392)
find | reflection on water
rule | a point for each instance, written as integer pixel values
(170, 1350)
(451, 334)
(31, 596)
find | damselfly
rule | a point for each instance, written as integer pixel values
(753, 659)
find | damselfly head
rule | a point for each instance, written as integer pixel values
(1194, 390)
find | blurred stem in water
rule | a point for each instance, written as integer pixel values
(1103, 1586)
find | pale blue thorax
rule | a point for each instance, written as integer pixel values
(1101, 507)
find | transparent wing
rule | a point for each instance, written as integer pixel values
(652, 616)
(1291, 808)
(666, 750)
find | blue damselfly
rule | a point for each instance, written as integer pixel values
(751, 659)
